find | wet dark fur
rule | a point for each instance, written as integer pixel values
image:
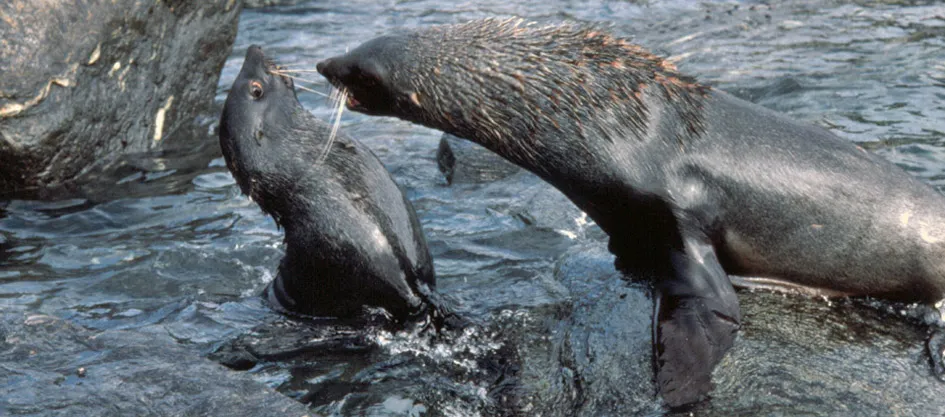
(691, 184)
(526, 87)
(352, 239)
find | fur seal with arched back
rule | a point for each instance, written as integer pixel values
(691, 184)
(352, 238)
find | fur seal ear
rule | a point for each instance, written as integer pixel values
(695, 323)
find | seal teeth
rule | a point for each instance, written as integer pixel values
(352, 102)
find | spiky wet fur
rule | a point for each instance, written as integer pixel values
(532, 82)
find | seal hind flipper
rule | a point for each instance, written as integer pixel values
(695, 323)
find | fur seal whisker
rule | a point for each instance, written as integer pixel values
(283, 74)
(299, 70)
(336, 112)
(295, 77)
(311, 90)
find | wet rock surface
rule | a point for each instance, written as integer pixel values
(84, 82)
(54, 367)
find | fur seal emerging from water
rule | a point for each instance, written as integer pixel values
(691, 184)
(352, 238)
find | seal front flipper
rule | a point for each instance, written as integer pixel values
(696, 319)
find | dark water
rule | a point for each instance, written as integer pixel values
(137, 280)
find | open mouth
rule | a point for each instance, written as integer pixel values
(352, 103)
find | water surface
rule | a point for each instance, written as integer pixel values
(138, 279)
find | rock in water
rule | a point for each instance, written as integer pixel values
(86, 81)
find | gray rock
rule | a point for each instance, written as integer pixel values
(52, 367)
(86, 81)
(591, 356)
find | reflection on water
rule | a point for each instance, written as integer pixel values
(139, 279)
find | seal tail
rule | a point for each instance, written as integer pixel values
(696, 321)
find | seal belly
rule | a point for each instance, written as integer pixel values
(804, 206)
(774, 284)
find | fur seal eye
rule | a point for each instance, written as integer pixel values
(255, 90)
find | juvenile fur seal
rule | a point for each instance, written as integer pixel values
(352, 238)
(691, 184)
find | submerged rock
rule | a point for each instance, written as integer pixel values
(86, 81)
(54, 367)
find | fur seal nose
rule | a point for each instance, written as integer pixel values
(322, 66)
(255, 53)
(333, 69)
